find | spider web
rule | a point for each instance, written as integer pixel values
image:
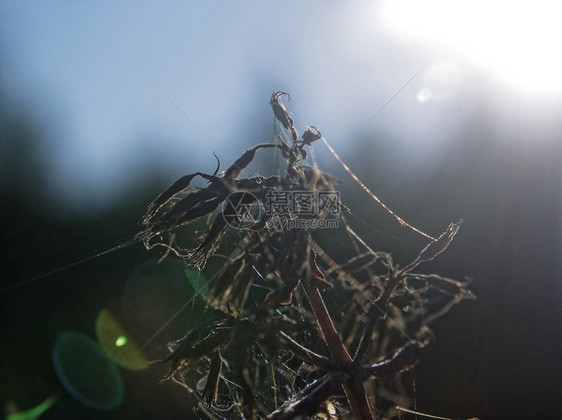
(337, 306)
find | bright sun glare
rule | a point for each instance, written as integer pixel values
(516, 41)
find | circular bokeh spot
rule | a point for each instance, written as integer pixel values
(86, 372)
(117, 343)
(442, 80)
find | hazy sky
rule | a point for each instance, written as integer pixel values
(85, 73)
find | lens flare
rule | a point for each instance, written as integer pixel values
(441, 81)
(121, 341)
(117, 344)
(35, 412)
(86, 372)
(155, 292)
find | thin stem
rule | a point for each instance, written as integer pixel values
(335, 345)
(355, 393)
(306, 354)
(364, 342)
(389, 289)
(353, 387)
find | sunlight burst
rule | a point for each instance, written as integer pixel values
(516, 42)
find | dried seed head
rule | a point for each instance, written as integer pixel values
(256, 335)
(280, 111)
(309, 136)
(282, 115)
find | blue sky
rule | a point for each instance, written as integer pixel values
(82, 71)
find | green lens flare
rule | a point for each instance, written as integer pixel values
(118, 344)
(163, 294)
(197, 281)
(121, 341)
(35, 412)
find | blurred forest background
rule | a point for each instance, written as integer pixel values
(89, 138)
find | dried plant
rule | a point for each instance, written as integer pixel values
(283, 355)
